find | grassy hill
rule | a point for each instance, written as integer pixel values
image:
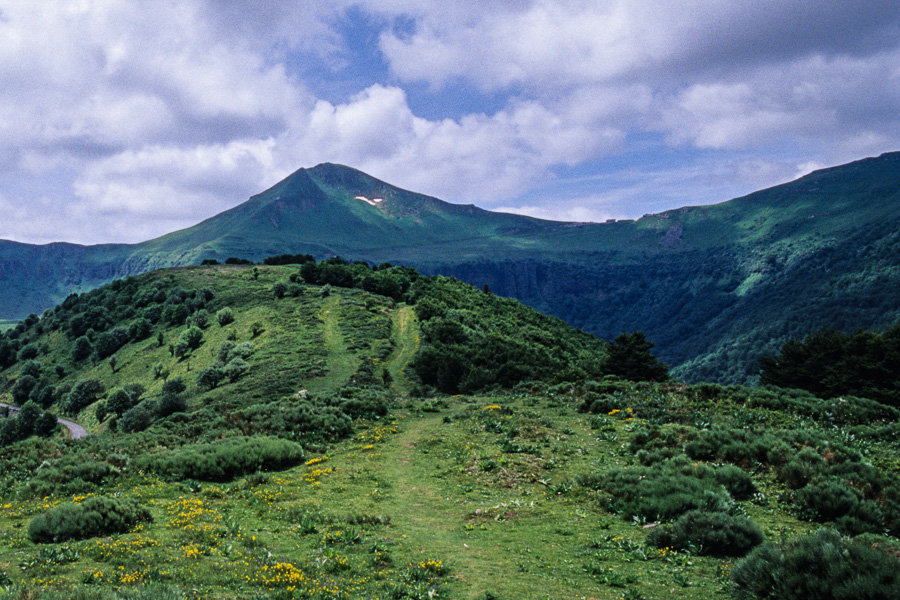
(324, 470)
(714, 286)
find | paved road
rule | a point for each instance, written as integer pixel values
(75, 429)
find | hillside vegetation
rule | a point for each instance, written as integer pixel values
(716, 287)
(279, 432)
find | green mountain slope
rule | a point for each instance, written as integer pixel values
(715, 286)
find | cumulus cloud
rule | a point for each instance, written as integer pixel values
(120, 121)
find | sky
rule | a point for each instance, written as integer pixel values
(121, 121)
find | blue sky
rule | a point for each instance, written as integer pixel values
(121, 121)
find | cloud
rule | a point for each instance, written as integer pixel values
(126, 120)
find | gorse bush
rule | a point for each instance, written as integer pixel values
(225, 460)
(72, 474)
(833, 500)
(659, 493)
(95, 516)
(823, 566)
(713, 533)
(305, 421)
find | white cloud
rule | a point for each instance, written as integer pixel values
(129, 119)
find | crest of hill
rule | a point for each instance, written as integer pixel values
(242, 336)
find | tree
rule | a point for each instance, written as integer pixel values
(139, 329)
(82, 348)
(85, 392)
(211, 376)
(200, 318)
(22, 390)
(174, 386)
(236, 368)
(225, 316)
(192, 337)
(629, 357)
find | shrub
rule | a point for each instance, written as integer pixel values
(225, 460)
(174, 386)
(138, 418)
(139, 329)
(123, 399)
(225, 316)
(279, 289)
(28, 352)
(109, 342)
(31, 367)
(652, 494)
(69, 475)
(22, 390)
(800, 470)
(737, 481)
(833, 499)
(192, 337)
(95, 516)
(823, 565)
(211, 376)
(170, 404)
(85, 393)
(236, 368)
(82, 348)
(200, 318)
(713, 533)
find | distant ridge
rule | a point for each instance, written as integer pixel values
(714, 286)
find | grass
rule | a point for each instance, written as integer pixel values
(430, 483)
(405, 337)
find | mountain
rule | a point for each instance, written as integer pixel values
(714, 286)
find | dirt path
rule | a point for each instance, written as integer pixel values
(433, 520)
(405, 335)
(76, 430)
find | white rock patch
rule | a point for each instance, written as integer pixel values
(373, 201)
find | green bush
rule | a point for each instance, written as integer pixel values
(139, 329)
(70, 475)
(713, 533)
(737, 481)
(225, 460)
(655, 494)
(305, 421)
(236, 368)
(96, 516)
(833, 499)
(85, 393)
(823, 566)
(225, 316)
(139, 417)
(211, 376)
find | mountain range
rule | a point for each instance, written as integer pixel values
(714, 286)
